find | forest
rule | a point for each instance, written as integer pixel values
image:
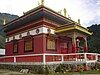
(7, 17)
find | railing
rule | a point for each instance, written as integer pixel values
(52, 58)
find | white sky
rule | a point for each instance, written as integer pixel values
(86, 10)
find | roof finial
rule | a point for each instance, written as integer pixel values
(42, 2)
(79, 21)
(69, 17)
(65, 12)
(38, 3)
(24, 13)
(59, 11)
(4, 21)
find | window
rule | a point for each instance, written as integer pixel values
(15, 46)
(28, 44)
(51, 43)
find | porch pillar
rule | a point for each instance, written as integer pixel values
(74, 49)
(85, 46)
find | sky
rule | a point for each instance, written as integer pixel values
(88, 11)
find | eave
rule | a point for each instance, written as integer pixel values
(34, 15)
(74, 27)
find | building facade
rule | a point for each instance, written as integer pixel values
(42, 35)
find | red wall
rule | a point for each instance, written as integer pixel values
(30, 59)
(21, 46)
(8, 59)
(39, 46)
(9, 49)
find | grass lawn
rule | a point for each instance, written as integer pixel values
(85, 72)
(7, 72)
(89, 72)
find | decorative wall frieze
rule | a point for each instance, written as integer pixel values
(36, 31)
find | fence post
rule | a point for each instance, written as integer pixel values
(14, 59)
(44, 60)
(96, 55)
(85, 56)
(62, 58)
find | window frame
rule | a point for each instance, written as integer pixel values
(15, 42)
(27, 38)
(48, 37)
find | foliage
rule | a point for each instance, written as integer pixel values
(8, 18)
(62, 68)
(94, 40)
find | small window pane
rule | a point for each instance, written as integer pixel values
(51, 43)
(28, 44)
(15, 46)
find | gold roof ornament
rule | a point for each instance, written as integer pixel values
(23, 13)
(60, 11)
(65, 12)
(69, 17)
(39, 3)
(4, 21)
(79, 21)
(42, 2)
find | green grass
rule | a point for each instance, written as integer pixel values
(89, 72)
(85, 72)
(2, 72)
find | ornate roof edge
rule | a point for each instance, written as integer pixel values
(34, 10)
(74, 27)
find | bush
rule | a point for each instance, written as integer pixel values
(61, 68)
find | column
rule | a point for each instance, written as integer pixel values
(74, 49)
(85, 46)
(44, 59)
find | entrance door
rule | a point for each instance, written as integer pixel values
(63, 47)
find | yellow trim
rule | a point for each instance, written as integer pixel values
(74, 27)
(83, 30)
(65, 29)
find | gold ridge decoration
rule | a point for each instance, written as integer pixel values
(4, 21)
(65, 12)
(60, 11)
(42, 2)
(75, 27)
(79, 21)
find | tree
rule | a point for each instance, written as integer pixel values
(94, 40)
